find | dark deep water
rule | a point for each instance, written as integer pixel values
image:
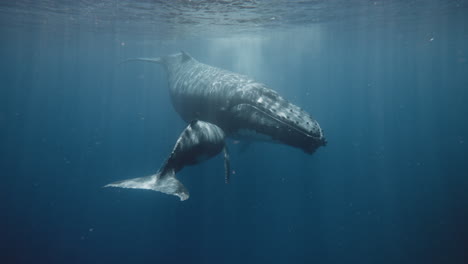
(387, 80)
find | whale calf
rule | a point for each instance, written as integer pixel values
(217, 104)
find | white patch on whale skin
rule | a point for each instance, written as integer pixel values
(167, 184)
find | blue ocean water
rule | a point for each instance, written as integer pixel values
(386, 80)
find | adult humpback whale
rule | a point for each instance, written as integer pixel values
(220, 103)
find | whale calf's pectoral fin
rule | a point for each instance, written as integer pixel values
(166, 183)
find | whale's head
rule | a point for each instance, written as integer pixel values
(262, 113)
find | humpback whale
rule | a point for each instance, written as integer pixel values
(218, 103)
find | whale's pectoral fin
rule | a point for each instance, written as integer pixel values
(165, 183)
(227, 165)
(198, 142)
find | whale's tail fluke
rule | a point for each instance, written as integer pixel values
(158, 60)
(174, 59)
(162, 182)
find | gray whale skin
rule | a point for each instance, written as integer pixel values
(217, 104)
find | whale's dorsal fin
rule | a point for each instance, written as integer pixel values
(185, 56)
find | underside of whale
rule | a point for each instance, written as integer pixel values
(217, 104)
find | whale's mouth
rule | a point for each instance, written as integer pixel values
(289, 124)
(255, 122)
(292, 125)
